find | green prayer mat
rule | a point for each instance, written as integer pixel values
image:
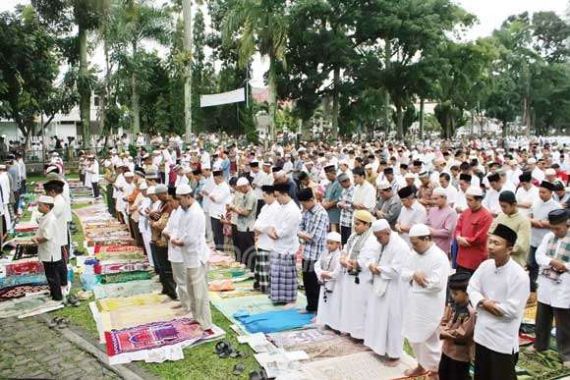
(113, 278)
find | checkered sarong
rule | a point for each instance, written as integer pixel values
(283, 278)
(262, 268)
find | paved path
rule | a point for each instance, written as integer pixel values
(30, 349)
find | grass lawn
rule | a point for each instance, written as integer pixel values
(199, 363)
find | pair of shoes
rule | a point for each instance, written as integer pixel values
(225, 350)
(258, 375)
(58, 322)
(72, 300)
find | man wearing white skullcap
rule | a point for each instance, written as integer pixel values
(383, 323)
(48, 240)
(246, 209)
(327, 269)
(426, 276)
(441, 219)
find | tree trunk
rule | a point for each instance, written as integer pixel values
(400, 121)
(84, 89)
(505, 129)
(387, 110)
(187, 12)
(335, 106)
(421, 119)
(272, 99)
(136, 122)
(104, 94)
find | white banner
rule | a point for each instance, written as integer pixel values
(234, 96)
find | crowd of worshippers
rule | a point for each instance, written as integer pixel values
(444, 247)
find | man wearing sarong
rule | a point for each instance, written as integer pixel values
(263, 225)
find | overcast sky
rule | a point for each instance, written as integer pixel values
(491, 13)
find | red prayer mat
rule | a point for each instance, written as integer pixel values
(24, 267)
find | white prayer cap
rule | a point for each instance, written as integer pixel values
(474, 191)
(129, 175)
(384, 185)
(242, 181)
(368, 166)
(410, 176)
(206, 167)
(2, 167)
(106, 163)
(532, 161)
(418, 230)
(440, 191)
(334, 236)
(550, 171)
(187, 170)
(52, 168)
(46, 199)
(183, 189)
(380, 225)
(150, 190)
(143, 186)
(160, 189)
(343, 162)
(280, 173)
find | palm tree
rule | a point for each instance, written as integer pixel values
(139, 21)
(260, 24)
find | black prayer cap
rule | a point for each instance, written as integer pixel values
(525, 177)
(495, 177)
(506, 233)
(276, 169)
(330, 168)
(281, 188)
(558, 186)
(558, 216)
(459, 280)
(417, 163)
(217, 173)
(547, 185)
(305, 195)
(196, 171)
(404, 166)
(254, 164)
(465, 177)
(267, 189)
(405, 192)
(388, 170)
(507, 196)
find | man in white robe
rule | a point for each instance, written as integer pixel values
(383, 323)
(426, 274)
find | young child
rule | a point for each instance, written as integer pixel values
(457, 328)
(49, 249)
(326, 269)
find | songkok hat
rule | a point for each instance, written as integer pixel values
(384, 185)
(343, 177)
(151, 190)
(388, 170)
(474, 191)
(558, 216)
(558, 186)
(363, 216)
(547, 185)
(417, 163)
(525, 177)
(129, 175)
(276, 169)
(405, 192)
(281, 188)
(334, 236)
(160, 189)
(419, 230)
(404, 166)
(465, 177)
(46, 199)
(507, 196)
(267, 188)
(459, 280)
(495, 177)
(242, 181)
(143, 186)
(254, 164)
(305, 195)
(183, 189)
(380, 225)
(440, 191)
(506, 233)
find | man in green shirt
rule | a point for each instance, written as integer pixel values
(332, 196)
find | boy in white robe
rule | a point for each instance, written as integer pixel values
(383, 323)
(426, 273)
(326, 269)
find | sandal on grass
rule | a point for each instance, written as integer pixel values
(238, 369)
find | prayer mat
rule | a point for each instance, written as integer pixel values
(125, 289)
(111, 304)
(258, 303)
(237, 293)
(525, 340)
(118, 249)
(24, 267)
(26, 227)
(363, 365)
(154, 335)
(540, 365)
(30, 279)
(120, 267)
(529, 316)
(216, 259)
(114, 278)
(121, 257)
(19, 291)
(221, 286)
(274, 321)
(26, 305)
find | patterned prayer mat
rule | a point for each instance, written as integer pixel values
(117, 249)
(109, 268)
(24, 267)
(121, 257)
(114, 278)
(30, 279)
(30, 305)
(274, 321)
(125, 289)
(529, 316)
(111, 304)
(363, 365)
(19, 291)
